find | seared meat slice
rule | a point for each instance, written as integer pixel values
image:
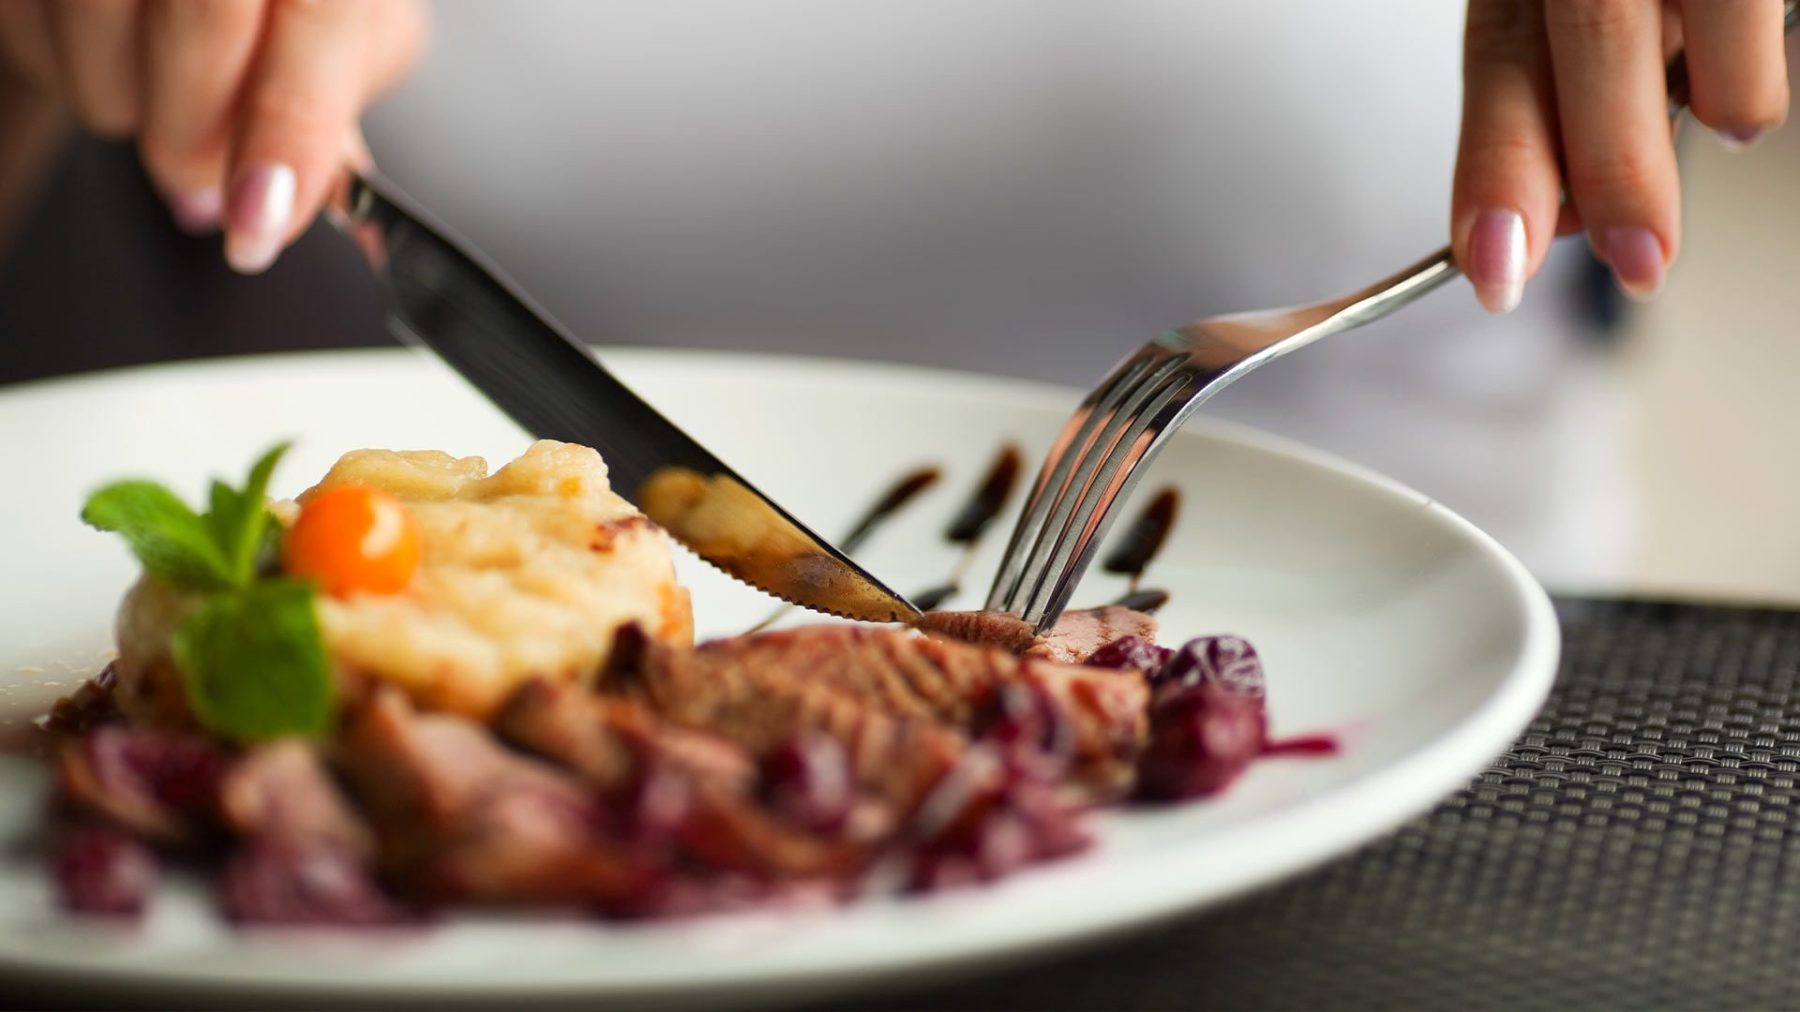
(460, 816)
(305, 856)
(762, 706)
(160, 787)
(764, 688)
(283, 791)
(1074, 638)
(604, 738)
(616, 744)
(731, 833)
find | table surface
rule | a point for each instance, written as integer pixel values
(1638, 847)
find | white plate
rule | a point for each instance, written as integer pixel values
(1380, 616)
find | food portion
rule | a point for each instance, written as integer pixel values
(421, 684)
(523, 573)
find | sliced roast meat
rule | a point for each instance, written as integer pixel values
(769, 685)
(460, 816)
(623, 749)
(162, 787)
(604, 738)
(988, 628)
(271, 880)
(762, 707)
(1077, 634)
(730, 832)
(284, 792)
(1074, 638)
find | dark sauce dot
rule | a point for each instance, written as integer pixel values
(1146, 601)
(989, 499)
(899, 494)
(933, 597)
(1140, 542)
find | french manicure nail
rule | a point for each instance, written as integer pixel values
(1738, 140)
(197, 212)
(1497, 259)
(1636, 258)
(257, 218)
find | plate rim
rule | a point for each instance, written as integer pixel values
(1456, 752)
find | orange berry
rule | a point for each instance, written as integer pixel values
(353, 539)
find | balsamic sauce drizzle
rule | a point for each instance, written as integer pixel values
(1138, 546)
(973, 520)
(1133, 551)
(908, 488)
(1146, 601)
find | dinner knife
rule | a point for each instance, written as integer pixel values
(440, 293)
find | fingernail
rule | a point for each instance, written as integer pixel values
(1636, 258)
(1738, 140)
(197, 211)
(1497, 260)
(256, 220)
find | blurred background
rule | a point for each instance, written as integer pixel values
(1032, 188)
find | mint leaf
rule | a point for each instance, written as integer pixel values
(172, 541)
(241, 522)
(254, 662)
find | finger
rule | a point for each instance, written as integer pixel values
(1737, 66)
(1508, 188)
(96, 44)
(196, 55)
(25, 42)
(1607, 57)
(318, 64)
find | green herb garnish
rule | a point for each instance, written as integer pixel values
(251, 655)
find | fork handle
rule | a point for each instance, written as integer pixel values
(1404, 286)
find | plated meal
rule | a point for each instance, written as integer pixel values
(422, 685)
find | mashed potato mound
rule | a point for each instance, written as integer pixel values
(525, 573)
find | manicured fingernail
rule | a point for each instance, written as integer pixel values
(197, 211)
(1636, 258)
(1497, 260)
(1738, 140)
(257, 218)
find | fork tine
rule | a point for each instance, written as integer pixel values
(1059, 470)
(1084, 524)
(1076, 468)
(1071, 517)
(1076, 432)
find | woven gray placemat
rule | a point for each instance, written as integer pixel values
(1639, 847)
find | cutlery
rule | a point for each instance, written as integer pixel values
(440, 293)
(1124, 422)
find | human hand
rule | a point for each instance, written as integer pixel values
(1573, 90)
(242, 110)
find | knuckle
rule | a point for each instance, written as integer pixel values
(1614, 172)
(1498, 30)
(210, 17)
(1502, 152)
(1595, 21)
(289, 111)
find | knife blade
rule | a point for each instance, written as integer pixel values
(441, 294)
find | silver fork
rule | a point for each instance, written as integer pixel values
(1121, 426)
